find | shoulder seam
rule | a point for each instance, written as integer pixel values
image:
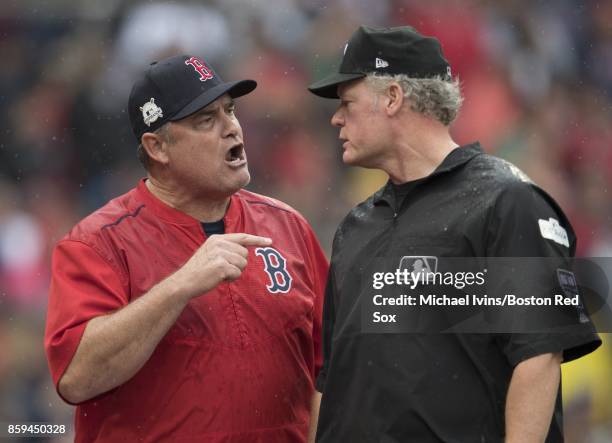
(255, 202)
(123, 217)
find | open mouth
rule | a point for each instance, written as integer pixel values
(235, 156)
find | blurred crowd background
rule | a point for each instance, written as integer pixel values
(537, 80)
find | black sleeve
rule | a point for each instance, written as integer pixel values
(329, 317)
(526, 222)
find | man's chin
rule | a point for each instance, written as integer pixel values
(229, 188)
(351, 160)
(348, 159)
(243, 180)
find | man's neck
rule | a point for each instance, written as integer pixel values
(203, 210)
(418, 153)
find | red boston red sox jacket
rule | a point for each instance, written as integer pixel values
(239, 363)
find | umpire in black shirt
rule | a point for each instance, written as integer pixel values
(397, 100)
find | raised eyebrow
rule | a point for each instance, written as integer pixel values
(204, 113)
(208, 112)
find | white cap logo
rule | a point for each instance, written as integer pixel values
(345, 48)
(380, 63)
(151, 112)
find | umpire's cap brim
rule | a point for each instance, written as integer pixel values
(234, 89)
(328, 86)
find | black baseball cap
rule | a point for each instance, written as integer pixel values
(400, 50)
(175, 88)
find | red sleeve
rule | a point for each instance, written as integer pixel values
(83, 285)
(319, 268)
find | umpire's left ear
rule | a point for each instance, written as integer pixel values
(394, 99)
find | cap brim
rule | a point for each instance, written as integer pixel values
(328, 87)
(234, 89)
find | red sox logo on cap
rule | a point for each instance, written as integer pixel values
(200, 67)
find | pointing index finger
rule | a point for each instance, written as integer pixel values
(249, 240)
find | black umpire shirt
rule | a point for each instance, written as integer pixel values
(434, 387)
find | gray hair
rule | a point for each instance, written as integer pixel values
(436, 97)
(164, 132)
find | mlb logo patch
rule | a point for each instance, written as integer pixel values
(417, 265)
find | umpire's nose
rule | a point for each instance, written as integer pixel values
(337, 119)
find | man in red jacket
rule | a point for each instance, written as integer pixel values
(188, 309)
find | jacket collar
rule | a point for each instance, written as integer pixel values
(455, 159)
(172, 215)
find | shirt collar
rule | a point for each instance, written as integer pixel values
(172, 215)
(456, 158)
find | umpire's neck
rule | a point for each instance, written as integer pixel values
(420, 145)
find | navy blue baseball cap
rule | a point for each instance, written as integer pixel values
(399, 50)
(175, 88)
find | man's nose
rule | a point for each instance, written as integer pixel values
(337, 119)
(232, 126)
